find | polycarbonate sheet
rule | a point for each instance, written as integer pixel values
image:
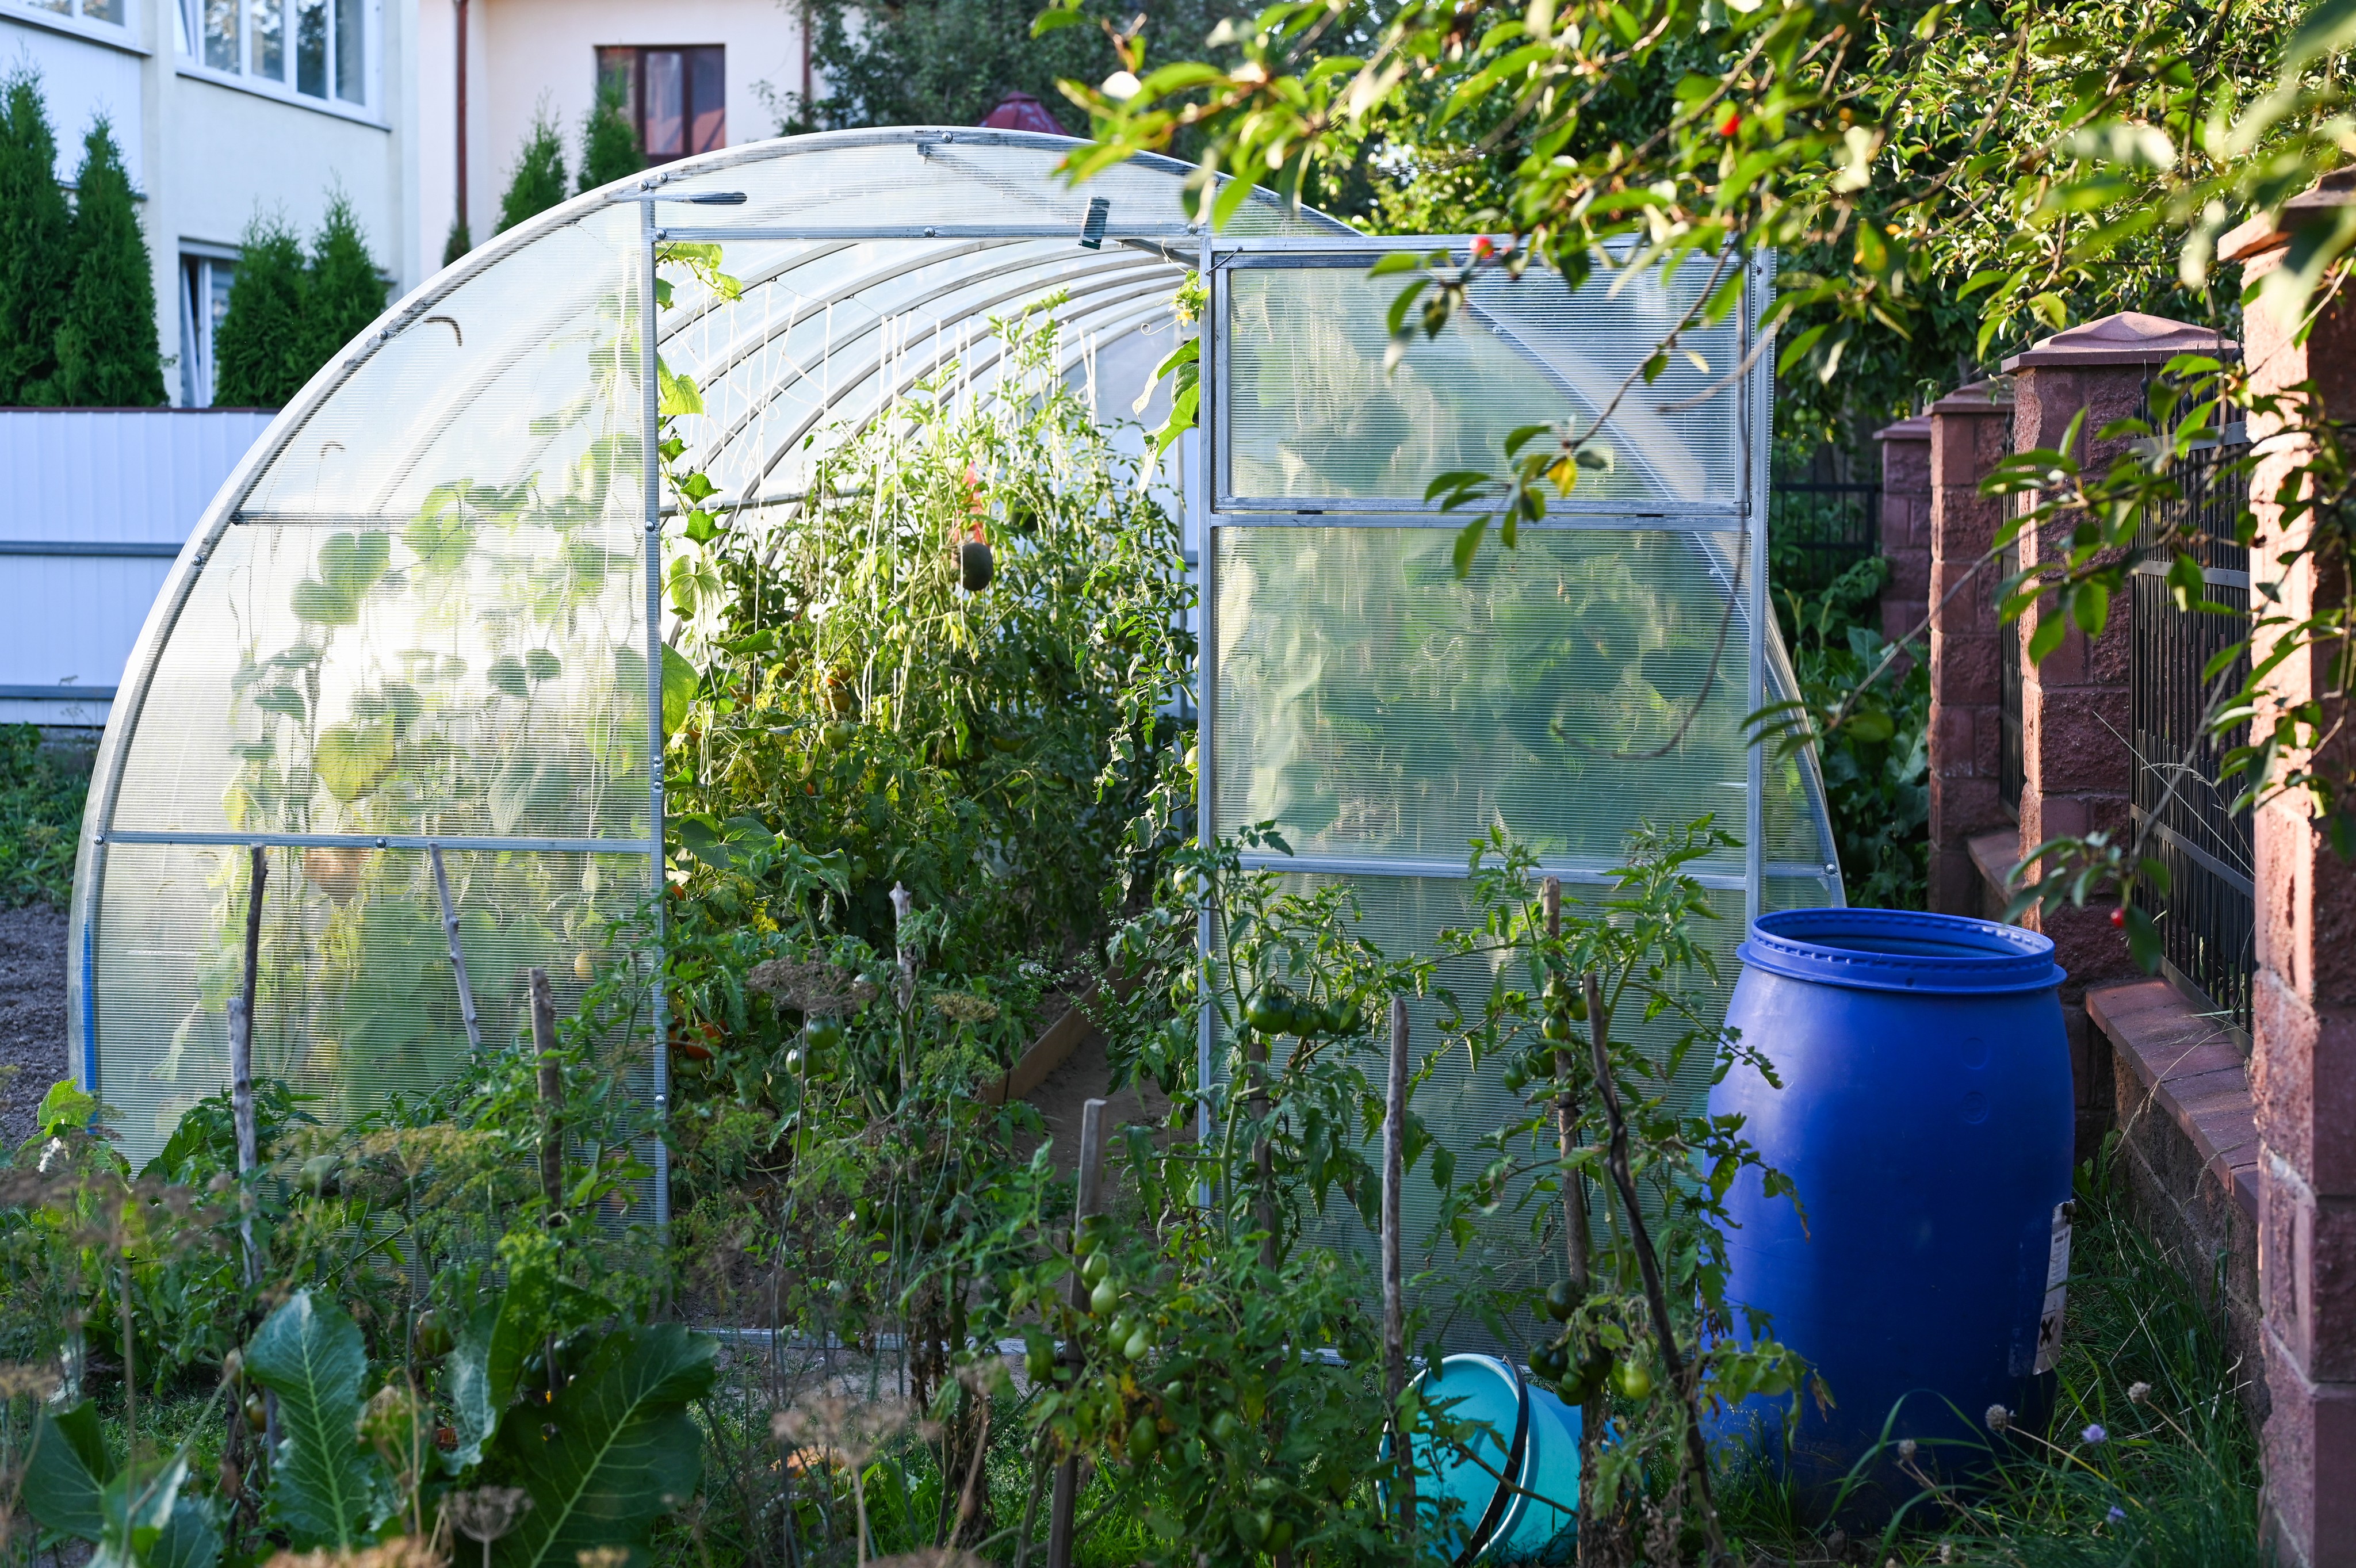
(357, 999)
(824, 338)
(1461, 1104)
(1312, 414)
(470, 671)
(523, 381)
(1795, 892)
(1375, 706)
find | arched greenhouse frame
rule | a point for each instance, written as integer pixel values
(414, 649)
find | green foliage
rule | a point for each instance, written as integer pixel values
(133, 1512)
(35, 242)
(261, 352)
(624, 1451)
(609, 143)
(107, 355)
(311, 1356)
(536, 183)
(345, 291)
(459, 242)
(948, 62)
(41, 790)
(1877, 759)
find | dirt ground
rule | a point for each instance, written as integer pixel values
(32, 1015)
(1082, 1078)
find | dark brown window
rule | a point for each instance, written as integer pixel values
(677, 98)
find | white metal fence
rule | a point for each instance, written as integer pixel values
(94, 506)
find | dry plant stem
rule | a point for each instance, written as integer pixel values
(1031, 1510)
(457, 955)
(1394, 1303)
(1060, 1542)
(1576, 1243)
(1648, 1265)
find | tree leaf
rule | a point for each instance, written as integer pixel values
(614, 1452)
(68, 1470)
(312, 1357)
(680, 681)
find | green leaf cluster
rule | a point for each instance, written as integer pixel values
(289, 314)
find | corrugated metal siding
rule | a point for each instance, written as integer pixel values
(80, 489)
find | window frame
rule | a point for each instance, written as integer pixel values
(74, 23)
(198, 266)
(188, 18)
(603, 57)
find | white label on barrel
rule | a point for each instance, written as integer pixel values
(2057, 1287)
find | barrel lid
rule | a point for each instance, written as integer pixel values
(1904, 951)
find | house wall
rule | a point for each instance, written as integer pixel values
(206, 150)
(522, 54)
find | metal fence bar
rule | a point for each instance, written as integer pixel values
(2207, 915)
(1816, 531)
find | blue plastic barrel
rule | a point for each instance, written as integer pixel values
(1515, 1428)
(1925, 1117)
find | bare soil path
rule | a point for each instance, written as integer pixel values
(32, 1015)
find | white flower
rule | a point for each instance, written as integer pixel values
(1121, 84)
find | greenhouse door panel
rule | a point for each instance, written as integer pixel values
(1380, 709)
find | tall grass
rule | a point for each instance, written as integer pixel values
(2149, 1461)
(41, 790)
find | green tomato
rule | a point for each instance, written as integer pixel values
(1549, 1362)
(1095, 1267)
(823, 1035)
(1144, 1441)
(1104, 1298)
(1555, 1028)
(1342, 1017)
(1226, 1431)
(1632, 1380)
(1253, 1525)
(1280, 1536)
(1122, 1328)
(1139, 1342)
(1270, 1011)
(1562, 1299)
(1516, 1079)
(431, 1336)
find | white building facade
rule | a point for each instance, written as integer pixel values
(227, 109)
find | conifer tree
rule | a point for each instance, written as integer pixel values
(107, 352)
(609, 143)
(459, 242)
(538, 182)
(34, 236)
(346, 290)
(260, 352)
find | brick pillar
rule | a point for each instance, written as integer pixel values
(2303, 1036)
(2074, 721)
(1905, 523)
(1968, 440)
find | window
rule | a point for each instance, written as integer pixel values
(318, 47)
(88, 10)
(204, 300)
(676, 98)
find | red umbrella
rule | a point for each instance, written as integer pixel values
(1021, 111)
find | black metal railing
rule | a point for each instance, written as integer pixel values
(2207, 917)
(1816, 529)
(2012, 761)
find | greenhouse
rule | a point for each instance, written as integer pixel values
(419, 649)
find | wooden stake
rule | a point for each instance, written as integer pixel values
(1068, 1474)
(1577, 1242)
(450, 931)
(552, 1093)
(241, 1055)
(1394, 1302)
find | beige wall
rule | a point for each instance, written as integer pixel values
(522, 53)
